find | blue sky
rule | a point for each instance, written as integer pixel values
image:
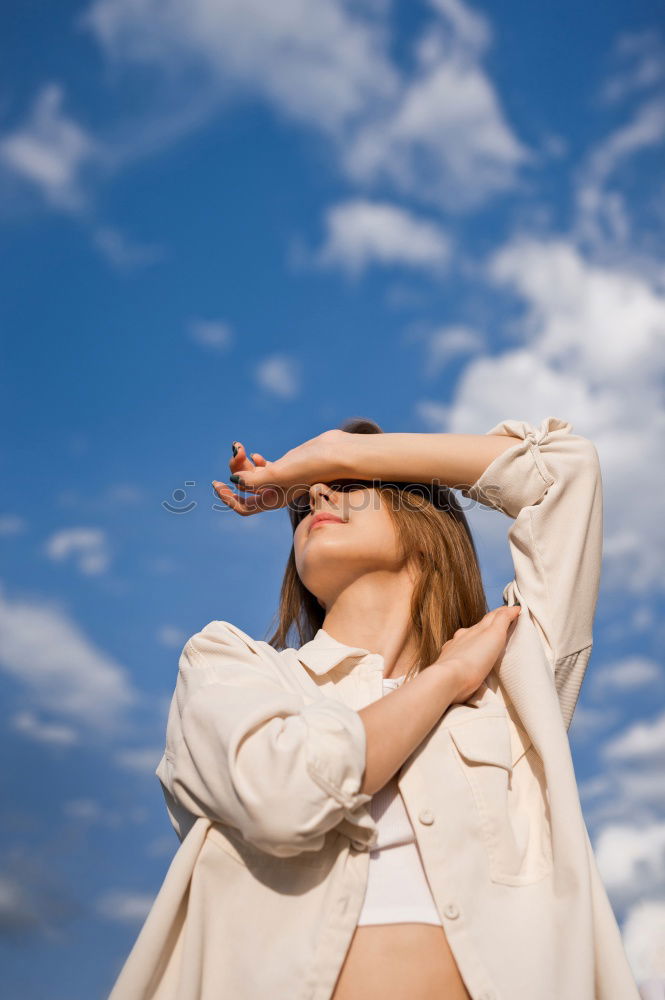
(243, 221)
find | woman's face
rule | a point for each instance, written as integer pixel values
(332, 554)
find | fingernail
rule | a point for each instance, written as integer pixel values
(234, 448)
(235, 478)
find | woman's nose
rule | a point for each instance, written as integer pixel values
(317, 488)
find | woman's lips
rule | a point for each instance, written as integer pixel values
(325, 520)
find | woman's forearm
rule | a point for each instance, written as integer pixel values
(397, 723)
(453, 459)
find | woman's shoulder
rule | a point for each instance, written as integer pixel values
(220, 637)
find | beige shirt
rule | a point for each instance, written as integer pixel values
(264, 759)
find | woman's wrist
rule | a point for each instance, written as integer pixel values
(397, 456)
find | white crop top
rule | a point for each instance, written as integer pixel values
(397, 887)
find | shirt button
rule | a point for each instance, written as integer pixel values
(452, 912)
(426, 816)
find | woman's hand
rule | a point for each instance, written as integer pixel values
(271, 485)
(472, 652)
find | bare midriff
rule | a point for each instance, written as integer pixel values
(399, 962)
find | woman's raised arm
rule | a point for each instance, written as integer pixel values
(449, 459)
(455, 460)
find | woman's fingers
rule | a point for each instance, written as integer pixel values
(502, 615)
(241, 466)
(243, 505)
(240, 460)
(507, 613)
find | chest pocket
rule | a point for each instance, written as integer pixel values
(507, 782)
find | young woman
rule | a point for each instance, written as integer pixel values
(390, 809)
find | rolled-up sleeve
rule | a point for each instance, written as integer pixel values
(246, 751)
(549, 483)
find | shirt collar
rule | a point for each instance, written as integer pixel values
(323, 652)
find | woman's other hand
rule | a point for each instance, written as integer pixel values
(472, 652)
(271, 485)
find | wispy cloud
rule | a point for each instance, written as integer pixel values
(437, 132)
(602, 210)
(434, 415)
(643, 740)
(123, 253)
(313, 59)
(50, 150)
(60, 670)
(279, 375)
(87, 546)
(171, 636)
(445, 139)
(215, 334)
(12, 524)
(140, 760)
(124, 906)
(632, 673)
(39, 731)
(631, 859)
(644, 941)
(360, 233)
(593, 351)
(638, 63)
(448, 342)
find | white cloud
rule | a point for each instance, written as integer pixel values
(123, 493)
(162, 847)
(631, 859)
(122, 252)
(641, 740)
(18, 912)
(313, 59)
(644, 941)
(471, 28)
(141, 760)
(87, 810)
(624, 792)
(171, 636)
(50, 733)
(446, 140)
(12, 524)
(50, 150)
(448, 342)
(280, 375)
(108, 501)
(602, 213)
(435, 415)
(361, 233)
(594, 353)
(605, 323)
(629, 674)
(646, 129)
(639, 63)
(60, 669)
(589, 722)
(437, 132)
(213, 333)
(161, 565)
(88, 546)
(124, 906)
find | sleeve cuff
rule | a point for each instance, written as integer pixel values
(518, 477)
(337, 764)
(336, 750)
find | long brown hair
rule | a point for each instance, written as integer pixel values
(448, 593)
